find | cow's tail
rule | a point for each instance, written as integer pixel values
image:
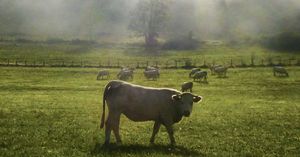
(105, 93)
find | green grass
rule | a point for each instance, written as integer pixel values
(56, 112)
(126, 55)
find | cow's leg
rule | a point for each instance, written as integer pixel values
(116, 127)
(111, 123)
(107, 130)
(191, 90)
(171, 134)
(155, 131)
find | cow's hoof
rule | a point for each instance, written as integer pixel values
(119, 143)
(105, 144)
(172, 145)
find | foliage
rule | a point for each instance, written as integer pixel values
(148, 20)
(181, 44)
(286, 41)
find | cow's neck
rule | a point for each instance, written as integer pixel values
(177, 115)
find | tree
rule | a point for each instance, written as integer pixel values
(149, 19)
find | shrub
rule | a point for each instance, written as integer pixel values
(286, 41)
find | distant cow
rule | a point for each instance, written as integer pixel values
(164, 106)
(152, 74)
(187, 86)
(148, 68)
(213, 67)
(103, 73)
(280, 71)
(193, 71)
(125, 74)
(221, 71)
(200, 75)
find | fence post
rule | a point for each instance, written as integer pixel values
(25, 62)
(280, 61)
(16, 62)
(252, 60)
(270, 61)
(147, 63)
(44, 63)
(262, 62)
(7, 61)
(63, 63)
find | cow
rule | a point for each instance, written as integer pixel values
(152, 74)
(221, 71)
(125, 74)
(103, 73)
(200, 75)
(164, 106)
(280, 70)
(193, 71)
(213, 67)
(149, 68)
(187, 86)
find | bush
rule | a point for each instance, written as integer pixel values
(181, 44)
(286, 41)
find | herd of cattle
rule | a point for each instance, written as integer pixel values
(198, 75)
(153, 73)
(164, 106)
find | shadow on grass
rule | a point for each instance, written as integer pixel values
(142, 149)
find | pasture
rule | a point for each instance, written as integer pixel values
(56, 112)
(117, 55)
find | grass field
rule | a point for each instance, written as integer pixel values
(55, 54)
(56, 112)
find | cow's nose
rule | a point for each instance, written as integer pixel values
(186, 113)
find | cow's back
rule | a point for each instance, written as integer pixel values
(140, 103)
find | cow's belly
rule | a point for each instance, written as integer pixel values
(141, 112)
(138, 117)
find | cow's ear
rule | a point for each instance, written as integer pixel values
(197, 98)
(176, 97)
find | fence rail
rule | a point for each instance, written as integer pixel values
(176, 63)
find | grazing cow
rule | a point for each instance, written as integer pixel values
(103, 73)
(152, 74)
(187, 86)
(221, 71)
(164, 106)
(200, 75)
(125, 74)
(212, 68)
(149, 68)
(194, 70)
(280, 70)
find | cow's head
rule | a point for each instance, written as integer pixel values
(185, 102)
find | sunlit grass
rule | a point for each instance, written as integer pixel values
(56, 112)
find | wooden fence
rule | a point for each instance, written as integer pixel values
(176, 63)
